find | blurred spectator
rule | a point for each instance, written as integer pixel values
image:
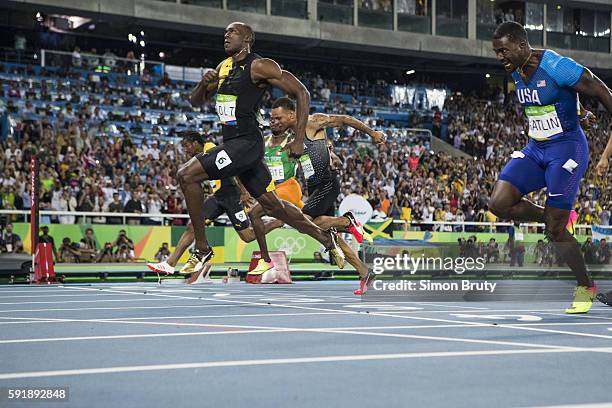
(9, 241)
(106, 254)
(163, 253)
(154, 206)
(492, 251)
(589, 251)
(135, 205)
(69, 252)
(165, 80)
(114, 206)
(89, 242)
(77, 60)
(68, 203)
(123, 242)
(603, 252)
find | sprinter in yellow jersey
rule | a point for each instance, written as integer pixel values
(225, 199)
(238, 86)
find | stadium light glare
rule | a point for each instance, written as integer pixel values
(142, 43)
(142, 33)
(161, 54)
(487, 75)
(410, 72)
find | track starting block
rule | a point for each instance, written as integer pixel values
(279, 274)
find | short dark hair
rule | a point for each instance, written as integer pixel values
(249, 31)
(284, 103)
(512, 30)
(193, 136)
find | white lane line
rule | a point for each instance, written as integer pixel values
(596, 405)
(439, 304)
(147, 299)
(229, 326)
(59, 320)
(591, 315)
(76, 294)
(115, 308)
(278, 361)
(467, 323)
(320, 330)
(438, 338)
(141, 336)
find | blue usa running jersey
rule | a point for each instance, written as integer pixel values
(550, 102)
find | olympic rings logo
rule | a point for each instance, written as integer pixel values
(290, 245)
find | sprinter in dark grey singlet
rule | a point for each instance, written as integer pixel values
(322, 180)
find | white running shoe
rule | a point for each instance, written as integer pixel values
(162, 267)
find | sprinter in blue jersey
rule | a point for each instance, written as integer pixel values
(557, 155)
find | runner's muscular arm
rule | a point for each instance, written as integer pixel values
(269, 71)
(589, 84)
(205, 88)
(320, 121)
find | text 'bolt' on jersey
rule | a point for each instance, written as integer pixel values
(550, 102)
(237, 99)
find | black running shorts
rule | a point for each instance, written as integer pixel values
(215, 206)
(322, 199)
(242, 158)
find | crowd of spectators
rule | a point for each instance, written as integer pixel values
(88, 162)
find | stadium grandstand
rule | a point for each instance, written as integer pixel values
(97, 114)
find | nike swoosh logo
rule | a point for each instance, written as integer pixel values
(554, 195)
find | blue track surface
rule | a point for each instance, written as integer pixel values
(311, 344)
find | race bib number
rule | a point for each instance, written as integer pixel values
(307, 166)
(276, 169)
(222, 160)
(241, 216)
(226, 108)
(543, 122)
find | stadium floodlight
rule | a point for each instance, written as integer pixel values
(487, 75)
(142, 43)
(410, 72)
(161, 54)
(142, 33)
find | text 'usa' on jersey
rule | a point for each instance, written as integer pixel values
(238, 98)
(548, 97)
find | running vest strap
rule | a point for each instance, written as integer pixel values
(316, 162)
(238, 98)
(281, 167)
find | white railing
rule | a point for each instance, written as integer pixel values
(87, 217)
(82, 217)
